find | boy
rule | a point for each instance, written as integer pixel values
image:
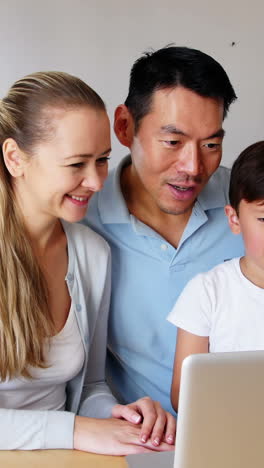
(223, 309)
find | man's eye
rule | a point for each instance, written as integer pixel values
(171, 142)
(102, 161)
(261, 220)
(212, 145)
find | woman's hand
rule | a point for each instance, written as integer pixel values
(110, 437)
(157, 424)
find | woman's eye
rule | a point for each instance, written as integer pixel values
(79, 164)
(102, 161)
(261, 220)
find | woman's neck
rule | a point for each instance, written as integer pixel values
(44, 230)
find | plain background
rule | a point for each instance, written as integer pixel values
(98, 40)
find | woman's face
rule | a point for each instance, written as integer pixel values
(63, 173)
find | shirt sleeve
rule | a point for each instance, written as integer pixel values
(32, 430)
(97, 399)
(193, 310)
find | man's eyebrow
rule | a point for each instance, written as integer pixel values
(176, 131)
(88, 155)
(172, 129)
(219, 134)
(260, 203)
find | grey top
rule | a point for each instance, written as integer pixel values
(88, 281)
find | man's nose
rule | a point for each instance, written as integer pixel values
(190, 160)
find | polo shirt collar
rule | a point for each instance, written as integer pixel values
(111, 203)
(113, 208)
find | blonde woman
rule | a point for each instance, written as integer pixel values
(54, 278)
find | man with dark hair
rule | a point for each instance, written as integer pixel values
(162, 210)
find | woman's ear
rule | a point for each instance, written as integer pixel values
(13, 157)
(233, 219)
(124, 125)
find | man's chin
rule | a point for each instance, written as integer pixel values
(176, 211)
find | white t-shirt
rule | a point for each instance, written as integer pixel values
(225, 306)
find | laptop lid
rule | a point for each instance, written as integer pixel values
(151, 460)
(221, 411)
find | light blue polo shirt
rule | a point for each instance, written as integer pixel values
(148, 274)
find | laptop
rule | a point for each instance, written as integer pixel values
(221, 414)
(151, 460)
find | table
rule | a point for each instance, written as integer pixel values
(58, 459)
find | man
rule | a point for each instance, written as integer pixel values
(162, 210)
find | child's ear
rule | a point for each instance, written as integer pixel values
(233, 219)
(13, 157)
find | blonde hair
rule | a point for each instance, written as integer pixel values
(25, 320)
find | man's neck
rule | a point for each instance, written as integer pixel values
(144, 208)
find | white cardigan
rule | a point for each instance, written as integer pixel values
(88, 281)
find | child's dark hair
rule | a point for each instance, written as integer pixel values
(247, 176)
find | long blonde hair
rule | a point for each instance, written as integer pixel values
(25, 320)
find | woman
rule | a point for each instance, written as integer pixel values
(55, 139)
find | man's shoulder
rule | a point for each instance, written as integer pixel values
(99, 205)
(107, 193)
(108, 206)
(220, 179)
(109, 184)
(221, 176)
(215, 193)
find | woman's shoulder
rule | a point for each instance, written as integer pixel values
(84, 236)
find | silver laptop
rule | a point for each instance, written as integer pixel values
(221, 411)
(221, 414)
(151, 460)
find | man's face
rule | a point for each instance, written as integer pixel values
(177, 148)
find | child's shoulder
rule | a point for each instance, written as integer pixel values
(210, 286)
(221, 274)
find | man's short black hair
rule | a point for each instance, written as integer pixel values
(176, 66)
(247, 176)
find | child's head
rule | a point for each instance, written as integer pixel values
(246, 210)
(247, 176)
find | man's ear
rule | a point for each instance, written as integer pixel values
(233, 219)
(124, 125)
(13, 157)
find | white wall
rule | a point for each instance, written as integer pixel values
(98, 40)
